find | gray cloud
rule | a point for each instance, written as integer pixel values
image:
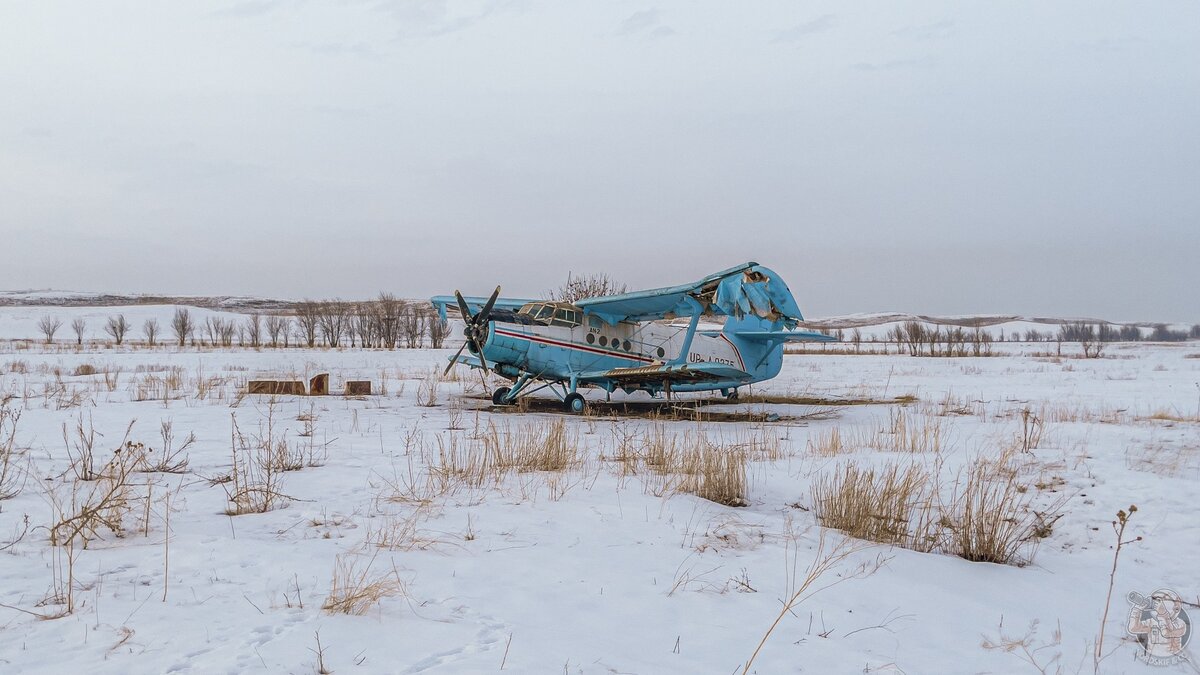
(812, 27)
(937, 30)
(434, 18)
(250, 8)
(897, 64)
(647, 23)
(357, 49)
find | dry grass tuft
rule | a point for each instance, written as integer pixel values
(84, 369)
(908, 435)
(172, 458)
(354, 589)
(1164, 459)
(695, 464)
(427, 390)
(400, 533)
(714, 472)
(892, 505)
(104, 501)
(1032, 429)
(488, 457)
(255, 480)
(1171, 415)
(991, 519)
(985, 514)
(828, 444)
(11, 480)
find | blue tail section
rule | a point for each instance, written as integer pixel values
(763, 359)
(760, 342)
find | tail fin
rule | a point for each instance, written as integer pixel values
(759, 340)
(761, 308)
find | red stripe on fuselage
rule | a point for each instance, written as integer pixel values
(572, 345)
(735, 351)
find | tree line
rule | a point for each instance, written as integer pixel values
(384, 323)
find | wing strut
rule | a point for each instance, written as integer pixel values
(697, 310)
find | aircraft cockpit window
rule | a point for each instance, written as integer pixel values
(565, 317)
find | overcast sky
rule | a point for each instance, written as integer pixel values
(1028, 157)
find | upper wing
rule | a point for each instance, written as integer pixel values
(781, 336)
(475, 303)
(746, 289)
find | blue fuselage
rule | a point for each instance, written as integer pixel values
(590, 350)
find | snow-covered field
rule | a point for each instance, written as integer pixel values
(602, 565)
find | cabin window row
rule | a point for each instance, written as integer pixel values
(616, 343)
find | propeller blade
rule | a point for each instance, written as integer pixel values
(484, 313)
(462, 307)
(479, 352)
(454, 361)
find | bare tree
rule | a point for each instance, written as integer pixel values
(182, 325)
(150, 329)
(333, 322)
(913, 334)
(228, 330)
(277, 326)
(439, 330)
(78, 325)
(586, 286)
(308, 316)
(365, 324)
(412, 325)
(220, 331)
(213, 326)
(49, 325)
(117, 327)
(388, 310)
(254, 330)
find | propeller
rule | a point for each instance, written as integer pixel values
(475, 330)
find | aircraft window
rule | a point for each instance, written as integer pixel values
(603, 341)
(566, 317)
(627, 345)
(591, 338)
(661, 352)
(544, 312)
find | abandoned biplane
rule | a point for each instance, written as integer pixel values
(628, 342)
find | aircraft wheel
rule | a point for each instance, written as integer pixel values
(575, 403)
(733, 395)
(498, 396)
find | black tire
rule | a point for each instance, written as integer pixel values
(733, 395)
(498, 395)
(575, 403)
